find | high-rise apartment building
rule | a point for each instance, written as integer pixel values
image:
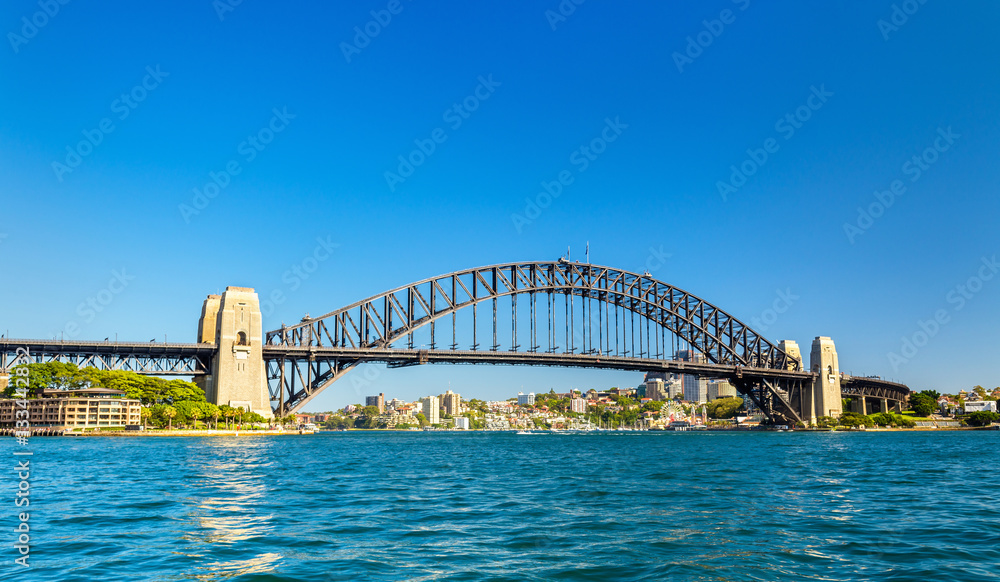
(378, 401)
(695, 387)
(451, 403)
(656, 390)
(431, 407)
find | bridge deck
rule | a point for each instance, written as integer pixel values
(402, 357)
(141, 357)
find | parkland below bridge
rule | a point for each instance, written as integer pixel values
(559, 313)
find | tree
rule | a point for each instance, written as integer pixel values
(195, 414)
(169, 412)
(853, 419)
(144, 414)
(923, 404)
(982, 418)
(421, 419)
(48, 376)
(724, 407)
(212, 411)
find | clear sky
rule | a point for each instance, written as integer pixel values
(299, 115)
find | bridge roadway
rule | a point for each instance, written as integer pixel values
(193, 359)
(156, 358)
(405, 357)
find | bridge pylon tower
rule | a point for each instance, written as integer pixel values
(826, 390)
(232, 321)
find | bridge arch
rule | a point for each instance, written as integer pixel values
(371, 329)
(383, 319)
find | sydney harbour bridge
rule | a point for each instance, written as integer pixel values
(560, 313)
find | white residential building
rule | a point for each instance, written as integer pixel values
(980, 406)
(431, 407)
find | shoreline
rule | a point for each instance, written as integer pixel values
(242, 433)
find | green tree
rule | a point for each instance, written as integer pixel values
(421, 419)
(724, 407)
(145, 414)
(195, 414)
(211, 411)
(982, 418)
(169, 412)
(48, 376)
(853, 419)
(922, 403)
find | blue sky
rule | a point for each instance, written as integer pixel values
(868, 96)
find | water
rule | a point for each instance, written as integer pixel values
(488, 506)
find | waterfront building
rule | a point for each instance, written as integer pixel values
(462, 423)
(578, 405)
(526, 399)
(721, 389)
(378, 401)
(84, 408)
(431, 407)
(980, 406)
(451, 403)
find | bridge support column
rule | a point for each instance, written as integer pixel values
(232, 321)
(859, 405)
(898, 408)
(883, 405)
(826, 397)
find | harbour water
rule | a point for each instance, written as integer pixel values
(499, 506)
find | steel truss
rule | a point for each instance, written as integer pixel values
(605, 313)
(874, 388)
(142, 358)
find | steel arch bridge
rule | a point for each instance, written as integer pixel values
(535, 313)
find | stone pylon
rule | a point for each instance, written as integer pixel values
(826, 395)
(232, 321)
